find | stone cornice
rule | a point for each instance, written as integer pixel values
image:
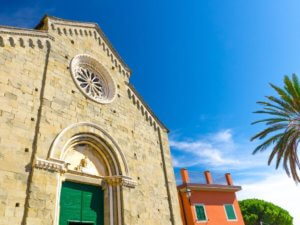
(25, 32)
(144, 108)
(21, 37)
(53, 22)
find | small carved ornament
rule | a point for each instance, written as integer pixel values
(83, 164)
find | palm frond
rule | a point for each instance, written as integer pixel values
(270, 120)
(289, 87)
(291, 161)
(277, 121)
(272, 113)
(285, 96)
(267, 143)
(282, 103)
(271, 105)
(280, 148)
(276, 111)
(269, 130)
(296, 84)
(284, 126)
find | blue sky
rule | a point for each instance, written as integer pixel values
(201, 66)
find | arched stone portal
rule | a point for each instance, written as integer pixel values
(79, 131)
(85, 154)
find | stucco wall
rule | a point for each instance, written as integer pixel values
(214, 206)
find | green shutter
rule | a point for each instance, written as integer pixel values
(200, 213)
(230, 212)
(81, 204)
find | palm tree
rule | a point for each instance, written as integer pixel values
(283, 126)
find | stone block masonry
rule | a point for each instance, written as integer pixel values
(39, 99)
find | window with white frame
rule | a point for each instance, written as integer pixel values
(200, 212)
(230, 212)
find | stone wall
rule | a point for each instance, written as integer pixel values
(22, 59)
(39, 98)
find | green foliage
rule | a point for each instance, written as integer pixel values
(255, 210)
(283, 126)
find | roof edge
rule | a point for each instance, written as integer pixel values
(93, 25)
(147, 107)
(25, 32)
(210, 187)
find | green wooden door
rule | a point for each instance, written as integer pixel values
(81, 204)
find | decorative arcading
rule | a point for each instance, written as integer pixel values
(18, 38)
(89, 31)
(145, 110)
(15, 37)
(25, 32)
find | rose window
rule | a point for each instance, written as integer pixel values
(93, 79)
(90, 83)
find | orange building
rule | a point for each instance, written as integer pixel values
(209, 203)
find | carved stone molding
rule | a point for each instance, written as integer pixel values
(25, 32)
(62, 167)
(20, 37)
(120, 181)
(128, 182)
(54, 166)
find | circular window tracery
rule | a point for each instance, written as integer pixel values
(93, 79)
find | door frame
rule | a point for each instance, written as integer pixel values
(89, 184)
(99, 182)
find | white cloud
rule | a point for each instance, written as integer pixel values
(202, 153)
(223, 136)
(277, 188)
(217, 150)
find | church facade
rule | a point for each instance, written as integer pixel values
(79, 146)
